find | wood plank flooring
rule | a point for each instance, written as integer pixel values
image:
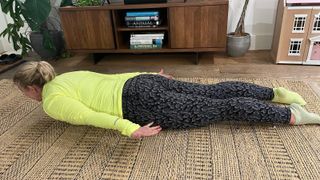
(254, 64)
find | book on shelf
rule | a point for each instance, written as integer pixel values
(148, 23)
(145, 41)
(146, 35)
(141, 18)
(145, 46)
(142, 13)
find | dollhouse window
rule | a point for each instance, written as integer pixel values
(295, 46)
(316, 24)
(299, 23)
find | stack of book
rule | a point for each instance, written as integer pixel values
(142, 19)
(146, 41)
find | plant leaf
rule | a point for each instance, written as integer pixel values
(36, 13)
(5, 5)
(14, 9)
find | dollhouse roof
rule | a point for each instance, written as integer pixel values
(303, 1)
(317, 38)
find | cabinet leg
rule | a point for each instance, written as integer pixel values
(97, 57)
(212, 58)
(197, 58)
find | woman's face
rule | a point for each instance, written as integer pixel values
(33, 92)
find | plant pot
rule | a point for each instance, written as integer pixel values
(36, 39)
(238, 45)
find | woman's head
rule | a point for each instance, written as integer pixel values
(32, 76)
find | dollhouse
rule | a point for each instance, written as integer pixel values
(296, 37)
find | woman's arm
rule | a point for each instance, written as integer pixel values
(161, 73)
(74, 112)
(145, 131)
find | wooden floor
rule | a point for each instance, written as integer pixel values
(254, 64)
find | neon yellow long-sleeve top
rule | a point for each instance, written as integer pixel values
(88, 98)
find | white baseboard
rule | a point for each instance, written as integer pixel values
(261, 42)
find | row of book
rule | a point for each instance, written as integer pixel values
(146, 40)
(142, 19)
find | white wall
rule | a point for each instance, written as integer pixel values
(259, 22)
(4, 43)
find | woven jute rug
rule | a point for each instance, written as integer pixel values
(34, 146)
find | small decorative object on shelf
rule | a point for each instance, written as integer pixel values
(146, 40)
(142, 19)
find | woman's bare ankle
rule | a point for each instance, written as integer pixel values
(292, 119)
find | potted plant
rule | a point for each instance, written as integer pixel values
(238, 42)
(88, 2)
(47, 43)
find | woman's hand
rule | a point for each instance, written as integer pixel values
(161, 73)
(146, 131)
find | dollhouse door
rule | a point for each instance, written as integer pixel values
(314, 33)
(315, 53)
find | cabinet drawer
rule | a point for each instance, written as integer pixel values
(198, 26)
(88, 29)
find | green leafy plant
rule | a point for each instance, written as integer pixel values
(88, 3)
(33, 12)
(14, 9)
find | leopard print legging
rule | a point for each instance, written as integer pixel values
(177, 105)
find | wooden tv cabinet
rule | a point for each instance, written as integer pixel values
(191, 26)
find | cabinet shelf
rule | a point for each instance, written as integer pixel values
(164, 47)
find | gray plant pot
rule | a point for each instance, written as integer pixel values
(36, 39)
(238, 46)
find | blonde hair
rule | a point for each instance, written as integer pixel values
(34, 73)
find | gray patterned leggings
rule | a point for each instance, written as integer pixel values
(175, 104)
